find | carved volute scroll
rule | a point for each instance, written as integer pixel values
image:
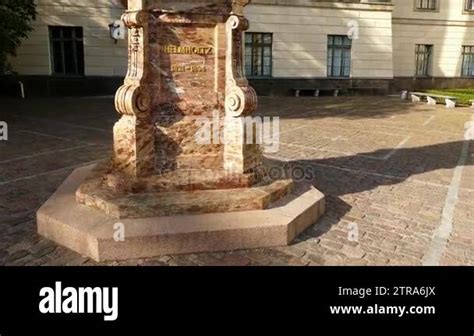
(133, 133)
(241, 99)
(133, 97)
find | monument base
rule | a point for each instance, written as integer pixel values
(90, 232)
(180, 192)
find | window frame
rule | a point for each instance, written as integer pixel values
(471, 64)
(79, 70)
(261, 45)
(469, 7)
(429, 10)
(429, 66)
(330, 74)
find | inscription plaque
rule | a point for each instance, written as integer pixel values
(187, 50)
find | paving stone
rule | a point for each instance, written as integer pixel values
(353, 252)
(17, 255)
(383, 172)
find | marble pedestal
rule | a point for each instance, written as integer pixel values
(90, 232)
(186, 173)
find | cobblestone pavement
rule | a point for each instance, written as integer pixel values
(399, 179)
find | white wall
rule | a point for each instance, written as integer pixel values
(102, 56)
(448, 29)
(300, 38)
(385, 47)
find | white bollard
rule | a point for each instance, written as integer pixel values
(469, 130)
(404, 95)
(22, 90)
(431, 101)
(450, 103)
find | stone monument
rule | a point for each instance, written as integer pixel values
(164, 192)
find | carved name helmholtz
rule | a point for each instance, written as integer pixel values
(187, 50)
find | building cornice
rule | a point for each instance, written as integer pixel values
(432, 22)
(365, 5)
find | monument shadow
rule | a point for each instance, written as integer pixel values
(358, 173)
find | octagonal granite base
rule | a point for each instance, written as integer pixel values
(90, 232)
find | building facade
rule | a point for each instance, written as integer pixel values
(432, 43)
(384, 45)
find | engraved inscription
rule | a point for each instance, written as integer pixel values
(196, 68)
(187, 50)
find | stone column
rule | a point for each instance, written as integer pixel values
(240, 154)
(134, 151)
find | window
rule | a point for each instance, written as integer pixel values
(339, 56)
(424, 54)
(67, 50)
(469, 5)
(258, 54)
(468, 61)
(426, 4)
